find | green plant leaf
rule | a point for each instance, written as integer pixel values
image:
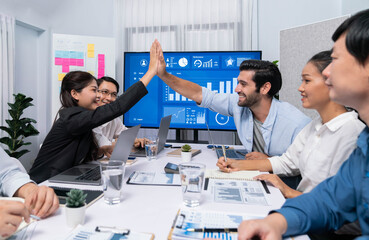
(6, 140)
(18, 128)
(7, 130)
(19, 154)
(27, 120)
(30, 130)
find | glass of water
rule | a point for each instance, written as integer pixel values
(192, 181)
(112, 175)
(151, 147)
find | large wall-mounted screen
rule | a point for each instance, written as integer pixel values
(217, 71)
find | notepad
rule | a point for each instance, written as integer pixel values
(239, 175)
(177, 152)
(92, 195)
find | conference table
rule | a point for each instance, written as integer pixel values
(146, 208)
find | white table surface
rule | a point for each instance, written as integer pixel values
(148, 208)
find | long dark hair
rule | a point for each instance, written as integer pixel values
(76, 80)
(321, 60)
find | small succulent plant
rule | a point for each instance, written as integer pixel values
(186, 148)
(76, 198)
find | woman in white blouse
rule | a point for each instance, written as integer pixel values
(320, 148)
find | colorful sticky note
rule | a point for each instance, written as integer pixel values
(91, 72)
(58, 61)
(73, 54)
(58, 54)
(90, 47)
(90, 54)
(73, 62)
(101, 57)
(65, 68)
(80, 55)
(61, 76)
(66, 61)
(79, 62)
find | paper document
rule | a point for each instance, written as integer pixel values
(236, 191)
(187, 219)
(240, 175)
(89, 233)
(154, 178)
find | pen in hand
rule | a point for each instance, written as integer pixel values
(224, 153)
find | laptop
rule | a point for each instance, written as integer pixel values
(162, 135)
(89, 173)
(231, 153)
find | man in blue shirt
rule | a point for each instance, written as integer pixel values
(265, 125)
(344, 197)
(38, 200)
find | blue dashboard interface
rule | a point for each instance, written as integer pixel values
(217, 71)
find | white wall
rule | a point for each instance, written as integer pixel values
(274, 16)
(37, 20)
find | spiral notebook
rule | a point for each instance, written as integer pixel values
(239, 175)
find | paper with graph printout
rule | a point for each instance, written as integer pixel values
(237, 191)
(154, 178)
(206, 219)
(82, 232)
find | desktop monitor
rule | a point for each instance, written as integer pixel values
(217, 71)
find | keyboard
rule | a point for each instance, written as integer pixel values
(232, 153)
(93, 174)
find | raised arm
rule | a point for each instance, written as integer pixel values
(154, 61)
(186, 88)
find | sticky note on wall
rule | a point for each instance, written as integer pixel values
(90, 50)
(61, 76)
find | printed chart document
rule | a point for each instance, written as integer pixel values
(81, 232)
(154, 178)
(187, 219)
(236, 191)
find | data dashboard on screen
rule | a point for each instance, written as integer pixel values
(217, 71)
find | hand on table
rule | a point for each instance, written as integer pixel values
(139, 143)
(278, 183)
(39, 200)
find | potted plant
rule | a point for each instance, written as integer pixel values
(75, 207)
(18, 128)
(186, 153)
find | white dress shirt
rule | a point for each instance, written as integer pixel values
(11, 176)
(319, 150)
(106, 133)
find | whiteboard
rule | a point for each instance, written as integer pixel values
(95, 55)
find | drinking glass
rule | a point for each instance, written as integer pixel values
(112, 175)
(192, 181)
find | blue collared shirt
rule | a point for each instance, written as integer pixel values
(280, 128)
(11, 177)
(339, 199)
